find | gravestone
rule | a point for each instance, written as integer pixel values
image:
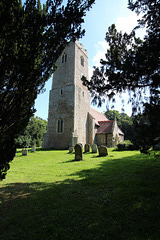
(94, 148)
(87, 148)
(102, 151)
(33, 149)
(24, 152)
(78, 152)
(81, 145)
(71, 149)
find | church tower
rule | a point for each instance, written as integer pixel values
(69, 102)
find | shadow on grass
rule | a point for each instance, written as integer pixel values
(118, 200)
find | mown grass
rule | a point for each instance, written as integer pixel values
(47, 195)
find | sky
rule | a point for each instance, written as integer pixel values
(97, 20)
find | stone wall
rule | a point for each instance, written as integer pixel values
(82, 96)
(100, 139)
(69, 100)
(110, 140)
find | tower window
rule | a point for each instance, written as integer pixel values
(64, 58)
(60, 125)
(61, 92)
(82, 61)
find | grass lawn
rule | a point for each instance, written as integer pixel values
(47, 195)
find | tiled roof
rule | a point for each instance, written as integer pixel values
(105, 127)
(98, 116)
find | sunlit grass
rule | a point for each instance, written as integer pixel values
(48, 195)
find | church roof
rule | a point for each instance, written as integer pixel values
(98, 116)
(105, 126)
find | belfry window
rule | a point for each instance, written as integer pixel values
(64, 58)
(61, 92)
(82, 61)
(60, 125)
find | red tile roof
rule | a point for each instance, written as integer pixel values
(105, 127)
(98, 116)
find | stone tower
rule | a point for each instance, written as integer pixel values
(69, 102)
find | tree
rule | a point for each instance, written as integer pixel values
(131, 64)
(146, 127)
(125, 123)
(112, 114)
(32, 134)
(31, 40)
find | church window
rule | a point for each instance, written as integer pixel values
(82, 61)
(60, 125)
(61, 92)
(64, 58)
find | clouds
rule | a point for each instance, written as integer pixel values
(124, 24)
(101, 48)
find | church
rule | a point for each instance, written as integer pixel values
(71, 119)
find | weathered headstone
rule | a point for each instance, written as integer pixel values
(71, 149)
(94, 148)
(81, 145)
(24, 152)
(33, 149)
(87, 148)
(78, 152)
(102, 151)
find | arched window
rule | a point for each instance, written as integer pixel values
(64, 58)
(60, 125)
(61, 92)
(82, 61)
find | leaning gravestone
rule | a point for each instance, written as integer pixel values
(94, 148)
(87, 148)
(71, 149)
(78, 152)
(102, 151)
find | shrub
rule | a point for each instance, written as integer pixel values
(126, 145)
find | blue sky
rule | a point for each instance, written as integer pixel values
(97, 20)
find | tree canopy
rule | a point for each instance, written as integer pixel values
(31, 40)
(32, 134)
(132, 64)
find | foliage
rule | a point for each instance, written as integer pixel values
(113, 197)
(125, 123)
(32, 134)
(133, 65)
(147, 127)
(125, 146)
(31, 40)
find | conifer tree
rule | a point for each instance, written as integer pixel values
(133, 65)
(31, 40)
